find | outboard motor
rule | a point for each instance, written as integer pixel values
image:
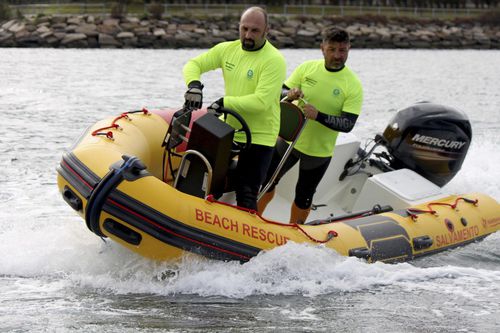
(430, 139)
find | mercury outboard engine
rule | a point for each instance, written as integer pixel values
(430, 139)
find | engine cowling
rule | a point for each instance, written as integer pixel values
(430, 139)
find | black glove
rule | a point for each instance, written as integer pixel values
(216, 106)
(194, 96)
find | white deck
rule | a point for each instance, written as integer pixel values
(399, 189)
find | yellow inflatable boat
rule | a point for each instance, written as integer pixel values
(156, 182)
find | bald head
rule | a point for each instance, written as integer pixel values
(253, 28)
(255, 11)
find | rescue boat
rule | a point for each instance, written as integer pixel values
(158, 183)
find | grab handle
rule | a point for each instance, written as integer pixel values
(72, 199)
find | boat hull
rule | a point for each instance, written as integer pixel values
(145, 213)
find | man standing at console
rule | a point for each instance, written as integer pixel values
(253, 71)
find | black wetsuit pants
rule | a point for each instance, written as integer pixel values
(251, 171)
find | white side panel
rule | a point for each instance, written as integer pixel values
(399, 188)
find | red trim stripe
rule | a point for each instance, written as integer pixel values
(176, 234)
(76, 174)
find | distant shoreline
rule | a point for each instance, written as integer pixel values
(87, 31)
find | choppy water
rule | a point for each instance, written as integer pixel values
(55, 276)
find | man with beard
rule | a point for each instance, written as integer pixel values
(332, 98)
(253, 71)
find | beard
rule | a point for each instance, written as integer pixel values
(336, 64)
(248, 44)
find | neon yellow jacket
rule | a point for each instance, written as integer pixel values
(253, 81)
(330, 93)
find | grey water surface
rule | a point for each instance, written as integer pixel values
(56, 276)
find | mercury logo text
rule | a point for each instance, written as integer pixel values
(438, 142)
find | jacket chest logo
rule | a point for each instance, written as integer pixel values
(250, 74)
